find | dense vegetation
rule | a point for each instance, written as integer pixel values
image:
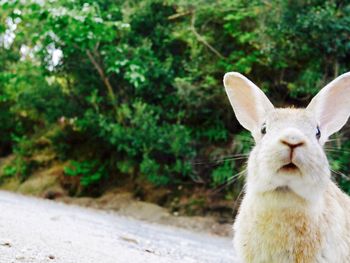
(132, 89)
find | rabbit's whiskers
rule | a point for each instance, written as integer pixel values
(222, 159)
(347, 177)
(337, 150)
(229, 181)
(235, 202)
(336, 140)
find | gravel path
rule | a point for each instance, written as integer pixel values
(35, 230)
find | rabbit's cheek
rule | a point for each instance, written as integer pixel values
(311, 160)
(283, 157)
(274, 158)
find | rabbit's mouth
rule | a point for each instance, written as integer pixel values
(283, 189)
(289, 168)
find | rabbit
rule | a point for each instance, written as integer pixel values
(292, 212)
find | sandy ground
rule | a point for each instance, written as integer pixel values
(36, 230)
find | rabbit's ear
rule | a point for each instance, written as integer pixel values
(331, 105)
(248, 101)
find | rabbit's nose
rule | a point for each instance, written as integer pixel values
(292, 139)
(292, 144)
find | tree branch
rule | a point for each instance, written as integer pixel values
(102, 74)
(201, 39)
(178, 15)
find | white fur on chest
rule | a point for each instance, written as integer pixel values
(282, 227)
(277, 231)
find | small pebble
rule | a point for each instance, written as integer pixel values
(6, 244)
(131, 240)
(51, 257)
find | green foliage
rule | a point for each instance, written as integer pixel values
(306, 42)
(162, 149)
(22, 165)
(151, 170)
(88, 172)
(9, 171)
(20, 168)
(138, 84)
(223, 173)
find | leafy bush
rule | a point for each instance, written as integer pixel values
(88, 172)
(223, 173)
(138, 86)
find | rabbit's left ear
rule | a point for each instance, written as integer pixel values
(331, 105)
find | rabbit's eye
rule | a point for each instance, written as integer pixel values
(263, 128)
(318, 133)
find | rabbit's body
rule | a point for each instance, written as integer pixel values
(282, 227)
(292, 212)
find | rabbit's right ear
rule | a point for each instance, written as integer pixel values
(248, 101)
(331, 106)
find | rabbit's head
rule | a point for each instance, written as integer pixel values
(289, 154)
